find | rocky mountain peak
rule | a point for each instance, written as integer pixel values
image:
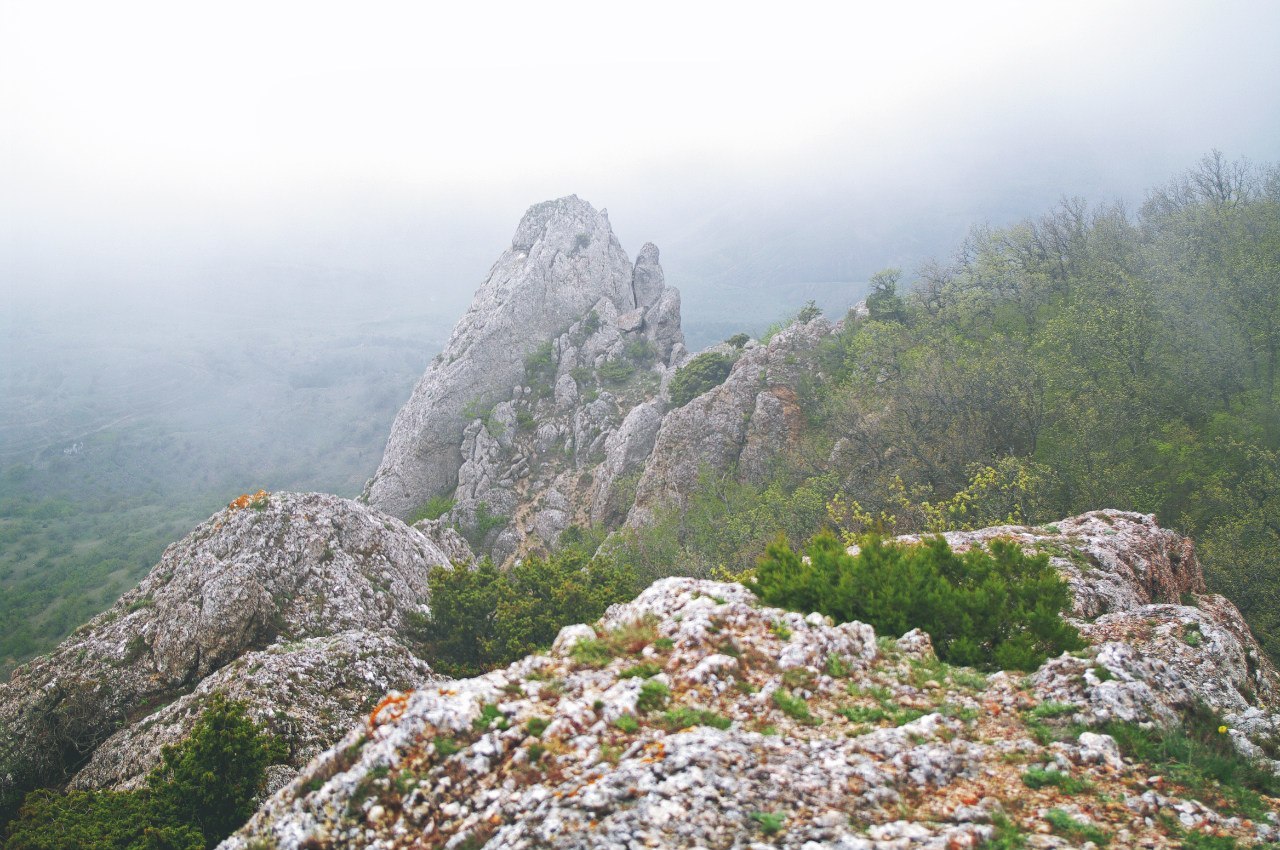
(565, 271)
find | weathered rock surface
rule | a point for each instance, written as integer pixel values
(744, 424)
(308, 693)
(1163, 642)
(564, 263)
(694, 717)
(266, 572)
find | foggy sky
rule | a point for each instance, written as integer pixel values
(150, 146)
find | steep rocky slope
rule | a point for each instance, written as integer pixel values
(746, 424)
(695, 717)
(293, 602)
(564, 263)
(549, 406)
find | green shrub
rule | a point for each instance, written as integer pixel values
(484, 521)
(653, 696)
(203, 790)
(484, 617)
(95, 820)
(211, 779)
(474, 409)
(617, 371)
(997, 609)
(641, 352)
(436, 507)
(738, 340)
(700, 374)
(540, 370)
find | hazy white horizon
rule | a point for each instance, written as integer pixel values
(145, 142)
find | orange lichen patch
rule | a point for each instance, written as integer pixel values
(245, 500)
(394, 706)
(657, 751)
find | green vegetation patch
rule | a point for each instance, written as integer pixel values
(1038, 777)
(683, 718)
(794, 707)
(1068, 827)
(997, 609)
(436, 507)
(482, 617)
(770, 823)
(653, 696)
(1200, 757)
(203, 790)
(700, 374)
(629, 639)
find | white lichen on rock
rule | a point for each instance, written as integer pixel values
(693, 716)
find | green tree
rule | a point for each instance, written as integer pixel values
(883, 303)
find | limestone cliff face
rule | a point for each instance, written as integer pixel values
(549, 405)
(293, 601)
(563, 263)
(700, 718)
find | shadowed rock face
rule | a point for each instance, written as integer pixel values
(742, 424)
(272, 574)
(701, 717)
(563, 261)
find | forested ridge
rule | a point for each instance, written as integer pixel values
(1090, 357)
(1095, 356)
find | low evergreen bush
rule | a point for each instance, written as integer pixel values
(700, 374)
(997, 609)
(203, 790)
(484, 617)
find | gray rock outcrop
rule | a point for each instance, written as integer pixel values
(563, 263)
(256, 584)
(695, 717)
(743, 425)
(308, 693)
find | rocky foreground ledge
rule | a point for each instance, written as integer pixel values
(292, 602)
(695, 717)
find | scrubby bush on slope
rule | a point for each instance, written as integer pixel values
(202, 792)
(985, 609)
(700, 374)
(486, 617)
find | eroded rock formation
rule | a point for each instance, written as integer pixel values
(292, 601)
(695, 717)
